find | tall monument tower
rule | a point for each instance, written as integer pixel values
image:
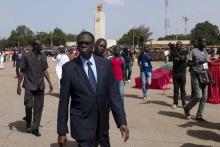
(167, 23)
(99, 23)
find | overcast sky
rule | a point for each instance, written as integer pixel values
(74, 15)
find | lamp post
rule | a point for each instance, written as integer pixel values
(51, 38)
(176, 33)
(133, 36)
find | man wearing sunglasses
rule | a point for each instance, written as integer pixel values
(89, 81)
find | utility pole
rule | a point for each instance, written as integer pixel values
(133, 36)
(177, 33)
(186, 19)
(51, 38)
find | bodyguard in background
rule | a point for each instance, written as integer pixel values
(33, 69)
(101, 48)
(179, 58)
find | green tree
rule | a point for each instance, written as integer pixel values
(138, 34)
(22, 36)
(71, 37)
(59, 37)
(3, 43)
(207, 30)
(44, 37)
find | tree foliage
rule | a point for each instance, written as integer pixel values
(137, 34)
(59, 37)
(23, 36)
(207, 30)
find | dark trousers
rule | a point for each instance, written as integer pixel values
(179, 83)
(34, 100)
(128, 70)
(94, 142)
(17, 69)
(99, 139)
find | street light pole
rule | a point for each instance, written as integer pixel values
(133, 36)
(51, 38)
(176, 33)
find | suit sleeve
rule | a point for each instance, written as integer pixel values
(62, 118)
(115, 100)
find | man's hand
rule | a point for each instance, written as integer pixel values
(124, 132)
(18, 90)
(51, 87)
(62, 140)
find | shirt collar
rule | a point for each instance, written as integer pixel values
(84, 61)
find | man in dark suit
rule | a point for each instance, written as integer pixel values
(100, 50)
(89, 81)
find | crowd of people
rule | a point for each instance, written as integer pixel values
(94, 77)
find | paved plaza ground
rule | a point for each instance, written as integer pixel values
(151, 125)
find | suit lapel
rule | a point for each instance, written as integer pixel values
(82, 74)
(99, 69)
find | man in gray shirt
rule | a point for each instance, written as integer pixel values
(197, 60)
(33, 70)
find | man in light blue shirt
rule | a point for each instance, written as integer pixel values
(93, 65)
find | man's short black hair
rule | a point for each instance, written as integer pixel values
(101, 39)
(179, 42)
(88, 33)
(200, 39)
(35, 42)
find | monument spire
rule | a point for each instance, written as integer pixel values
(99, 8)
(99, 22)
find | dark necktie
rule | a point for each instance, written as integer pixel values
(91, 77)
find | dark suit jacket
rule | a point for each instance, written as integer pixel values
(88, 111)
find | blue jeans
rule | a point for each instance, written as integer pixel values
(121, 90)
(145, 82)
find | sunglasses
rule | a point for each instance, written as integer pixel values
(84, 42)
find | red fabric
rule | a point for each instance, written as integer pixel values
(117, 64)
(160, 77)
(214, 90)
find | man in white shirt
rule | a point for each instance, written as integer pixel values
(61, 59)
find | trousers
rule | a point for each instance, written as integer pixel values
(199, 95)
(34, 100)
(179, 83)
